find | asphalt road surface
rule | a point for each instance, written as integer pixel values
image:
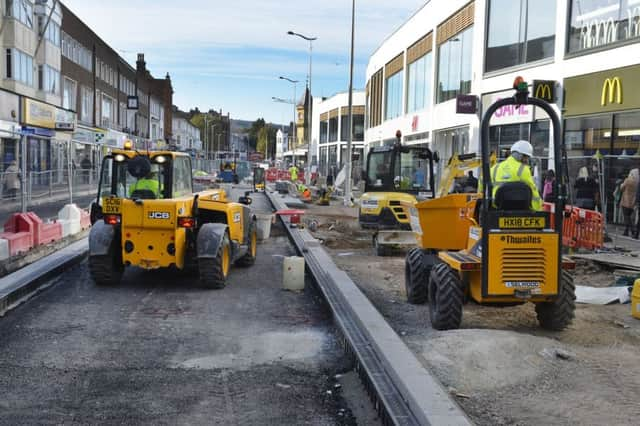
(157, 349)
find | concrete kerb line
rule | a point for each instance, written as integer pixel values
(426, 399)
(20, 286)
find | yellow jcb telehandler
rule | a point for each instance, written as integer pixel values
(146, 215)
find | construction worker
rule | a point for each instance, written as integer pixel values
(293, 171)
(149, 182)
(516, 169)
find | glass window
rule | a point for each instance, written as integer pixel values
(49, 79)
(21, 10)
(87, 105)
(19, 66)
(419, 84)
(333, 129)
(454, 66)
(344, 127)
(393, 96)
(520, 31)
(597, 23)
(182, 177)
(626, 137)
(588, 134)
(358, 127)
(324, 132)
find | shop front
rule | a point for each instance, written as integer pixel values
(602, 129)
(9, 129)
(46, 129)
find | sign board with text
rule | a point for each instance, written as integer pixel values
(40, 114)
(545, 90)
(466, 104)
(508, 114)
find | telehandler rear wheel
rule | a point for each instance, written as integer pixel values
(446, 297)
(250, 258)
(106, 270)
(416, 276)
(214, 272)
(557, 315)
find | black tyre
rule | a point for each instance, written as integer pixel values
(557, 315)
(214, 272)
(446, 297)
(106, 270)
(250, 258)
(380, 249)
(416, 276)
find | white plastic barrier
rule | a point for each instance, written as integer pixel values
(293, 273)
(69, 217)
(263, 222)
(4, 249)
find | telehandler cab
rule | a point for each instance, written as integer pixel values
(146, 215)
(492, 248)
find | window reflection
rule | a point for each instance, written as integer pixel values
(454, 66)
(597, 23)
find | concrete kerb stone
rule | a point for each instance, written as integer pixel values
(4, 249)
(426, 397)
(18, 287)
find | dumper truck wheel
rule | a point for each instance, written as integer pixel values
(250, 258)
(416, 276)
(214, 271)
(557, 315)
(106, 270)
(446, 297)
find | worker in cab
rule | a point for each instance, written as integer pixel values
(516, 169)
(148, 183)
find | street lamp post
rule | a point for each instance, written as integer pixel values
(310, 109)
(347, 182)
(295, 127)
(206, 135)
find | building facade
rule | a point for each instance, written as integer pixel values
(331, 131)
(113, 101)
(34, 130)
(186, 136)
(584, 55)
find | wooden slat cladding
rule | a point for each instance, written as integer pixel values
(394, 66)
(455, 24)
(357, 109)
(375, 103)
(420, 48)
(333, 113)
(324, 116)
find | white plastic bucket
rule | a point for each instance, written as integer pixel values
(293, 273)
(263, 223)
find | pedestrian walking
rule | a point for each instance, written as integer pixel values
(636, 232)
(629, 189)
(587, 191)
(548, 190)
(12, 179)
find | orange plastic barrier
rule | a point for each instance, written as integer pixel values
(581, 228)
(271, 175)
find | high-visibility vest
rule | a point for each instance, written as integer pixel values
(293, 171)
(512, 170)
(148, 184)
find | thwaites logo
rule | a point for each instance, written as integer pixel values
(529, 239)
(237, 217)
(159, 215)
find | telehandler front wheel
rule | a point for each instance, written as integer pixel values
(250, 258)
(557, 315)
(416, 277)
(446, 297)
(214, 271)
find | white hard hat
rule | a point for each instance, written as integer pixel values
(523, 147)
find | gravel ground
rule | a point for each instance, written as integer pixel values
(159, 350)
(503, 368)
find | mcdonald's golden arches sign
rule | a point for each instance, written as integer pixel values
(545, 90)
(606, 91)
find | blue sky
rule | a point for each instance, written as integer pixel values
(230, 54)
